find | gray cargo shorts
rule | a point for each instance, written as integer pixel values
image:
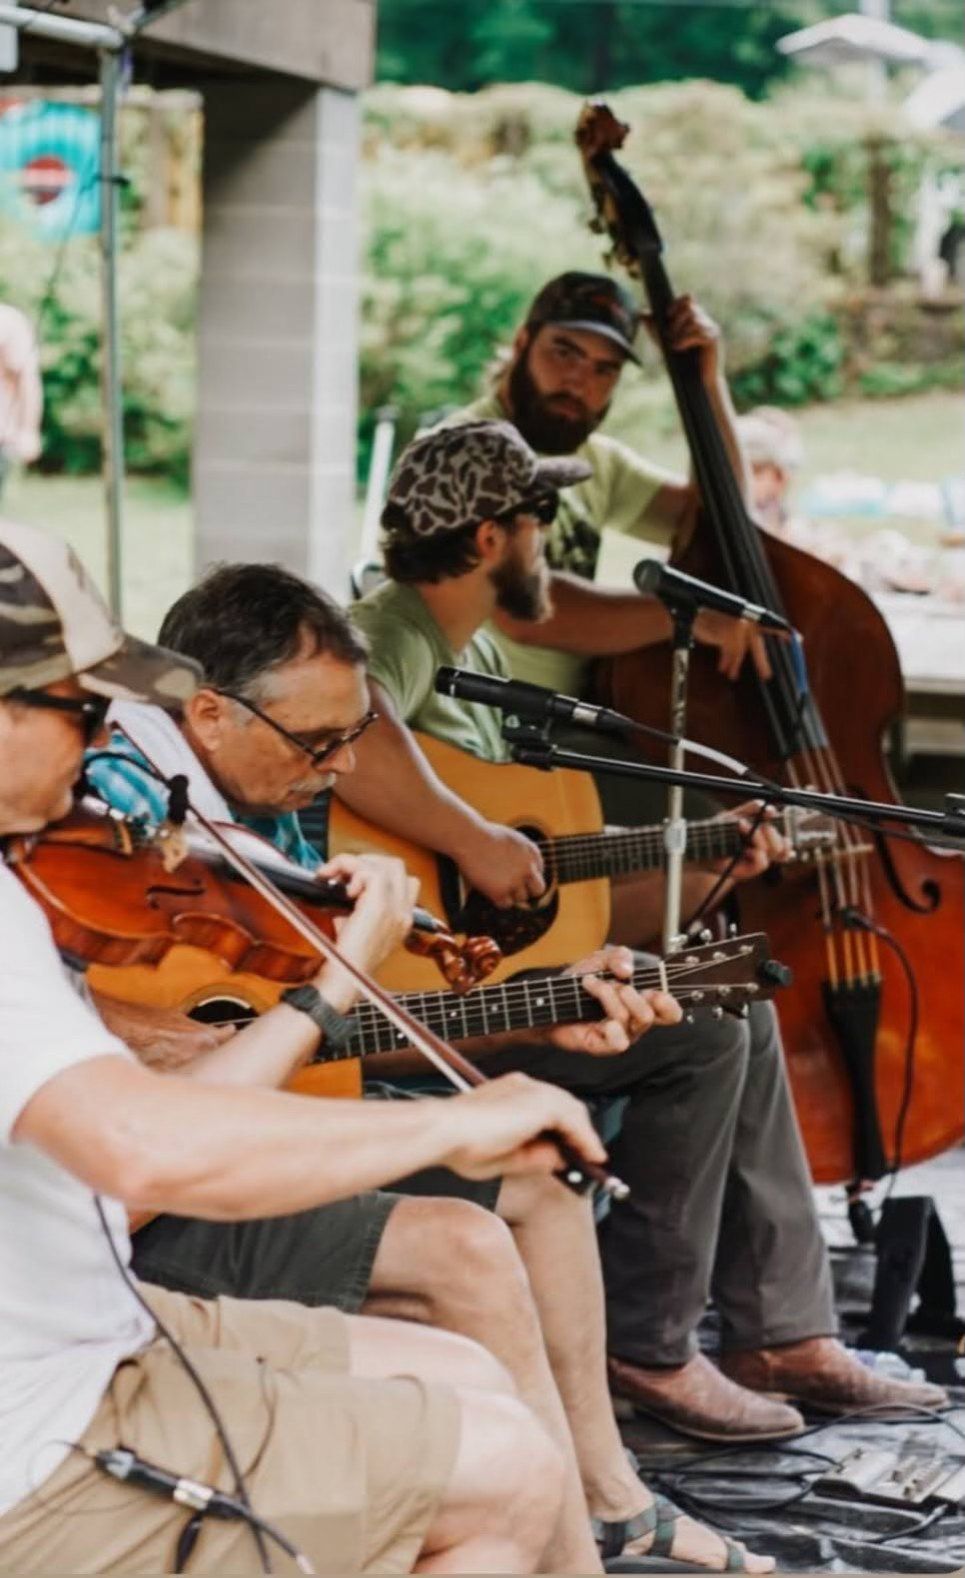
(322, 1256)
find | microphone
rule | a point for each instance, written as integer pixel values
(532, 703)
(677, 589)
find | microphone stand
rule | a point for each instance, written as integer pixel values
(683, 612)
(531, 748)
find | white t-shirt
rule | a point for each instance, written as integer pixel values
(66, 1318)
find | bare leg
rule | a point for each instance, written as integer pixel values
(451, 1264)
(503, 1495)
(556, 1239)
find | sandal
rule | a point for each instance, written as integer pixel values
(660, 1518)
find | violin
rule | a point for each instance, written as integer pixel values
(197, 935)
(873, 1033)
(112, 898)
(156, 893)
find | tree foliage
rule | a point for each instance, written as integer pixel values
(473, 201)
(595, 45)
(157, 283)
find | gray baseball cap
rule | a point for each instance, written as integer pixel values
(55, 625)
(475, 471)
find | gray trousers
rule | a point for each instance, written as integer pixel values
(721, 1202)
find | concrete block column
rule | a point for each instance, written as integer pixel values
(274, 469)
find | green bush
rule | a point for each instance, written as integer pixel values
(886, 380)
(156, 282)
(472, 201)
(804, 363)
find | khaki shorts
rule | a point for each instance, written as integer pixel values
(350, 1470)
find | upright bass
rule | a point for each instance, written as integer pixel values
(873, 929)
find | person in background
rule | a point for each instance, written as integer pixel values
(772, 444)
(21, 392)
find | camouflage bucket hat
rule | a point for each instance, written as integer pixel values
(478, 471)
(54, 625)
(588, 301)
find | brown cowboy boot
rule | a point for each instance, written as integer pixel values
(822, 1373)
(697, 1400)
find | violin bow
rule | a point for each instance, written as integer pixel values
(581, 1176)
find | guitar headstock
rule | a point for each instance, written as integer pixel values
(728, 974)
(809, 831)
(622, 211)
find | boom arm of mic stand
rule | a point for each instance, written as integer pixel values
(947, 824)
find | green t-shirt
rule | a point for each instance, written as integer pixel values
(406, 646)
(618, 495)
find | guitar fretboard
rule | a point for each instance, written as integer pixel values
(526, 1004)
(582, 857)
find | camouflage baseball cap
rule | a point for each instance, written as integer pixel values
(588, 301)
(472, 472)
(54, 625)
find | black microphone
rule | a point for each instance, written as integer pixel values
(676, 589)
(532, 703)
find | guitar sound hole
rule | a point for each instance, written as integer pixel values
(223, 1011)
(513, 929)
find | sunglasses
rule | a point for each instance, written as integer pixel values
(544, 507)
(91, 710)
(317, 753)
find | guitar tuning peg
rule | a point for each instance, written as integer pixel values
(717, 1012)
(705, 935)
(731, 929)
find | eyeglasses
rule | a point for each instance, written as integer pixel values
(317, 753)
(544, 507)
(90, 710)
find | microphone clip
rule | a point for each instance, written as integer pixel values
(529, 735)
(171, 835)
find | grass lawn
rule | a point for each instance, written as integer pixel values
(157, 559)
(918, 438)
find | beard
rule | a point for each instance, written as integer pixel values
(522, 594)
(545, 427)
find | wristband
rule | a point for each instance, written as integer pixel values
(337, 1029)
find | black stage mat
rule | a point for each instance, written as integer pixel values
(812, 1531)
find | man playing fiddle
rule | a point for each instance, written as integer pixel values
(375, 1444)
(283, 709)
(720, 1193)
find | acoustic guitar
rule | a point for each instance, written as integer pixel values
(559, 811)
(729, 975)
(720, 976)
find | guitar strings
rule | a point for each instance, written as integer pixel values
(518, 995)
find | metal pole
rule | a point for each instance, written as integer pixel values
(92, 35)
(111, 390)
(379, 467)
(675, 826)
(110, 43)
